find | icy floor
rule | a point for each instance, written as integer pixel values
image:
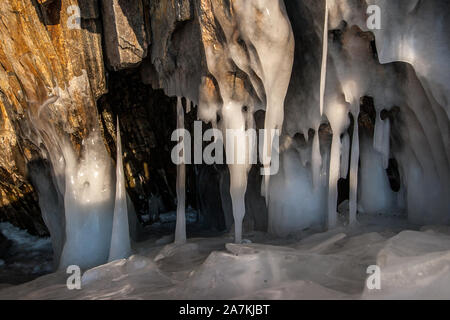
(414, 263)
(27, 258)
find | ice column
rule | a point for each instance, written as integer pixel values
(316, 159)
(345, 153)
(323, 69)
(180, 229)
(381, 138)
(354, 162)
(337, 115)
(88, 204)
(120, 237)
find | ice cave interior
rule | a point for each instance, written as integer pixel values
(361, 119)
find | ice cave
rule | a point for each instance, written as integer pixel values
(224, 149)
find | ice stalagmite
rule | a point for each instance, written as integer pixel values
(88, 204)
(323, 69)
(180, 229)
(120, 237)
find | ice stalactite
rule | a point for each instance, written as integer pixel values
(272, 60)
(238, 152)
(120, 237)
(345, 154)
(180, 229)
(323, 68)
(188, 105)
(337, 115)
(381, 138)
(316, 159)
(354, 165)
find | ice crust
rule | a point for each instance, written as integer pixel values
(331, 265)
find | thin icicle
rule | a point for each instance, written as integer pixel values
(345, 154)
(120, 237)
(381, 138)
(354, 171)
(316, 159)
(385, 148)
(378, 133)
(323, 69)
(333, 179)
(188, 105)
(180, 229)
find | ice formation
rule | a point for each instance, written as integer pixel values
(323, 68)
(120, 237)
(180, 229)
(266, 58)
(337, 115)
(375, 193)
(295, 204)
(83, 183)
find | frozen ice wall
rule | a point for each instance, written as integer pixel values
(82, 182)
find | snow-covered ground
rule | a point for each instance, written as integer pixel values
(414, 263)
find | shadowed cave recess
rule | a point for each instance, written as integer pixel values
(91, 93)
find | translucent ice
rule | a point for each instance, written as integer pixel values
(120, 237)
(180, 229)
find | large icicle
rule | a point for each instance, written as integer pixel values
(337, 114)
(120, 237)
(345, 154)
(333, 179)
(323, 68)
(385, 148)
(354, 161)
(316, 159)
(180, 229)
(381, 138)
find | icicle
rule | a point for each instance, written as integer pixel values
(188, 105)
(323, 69)
(381, 138)
(333, 179)
(324, 168)
(180, 230)
(316, 159)
(345, 154)
(120, 237)
(354, 170)
(378, 133)
(385, 148)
